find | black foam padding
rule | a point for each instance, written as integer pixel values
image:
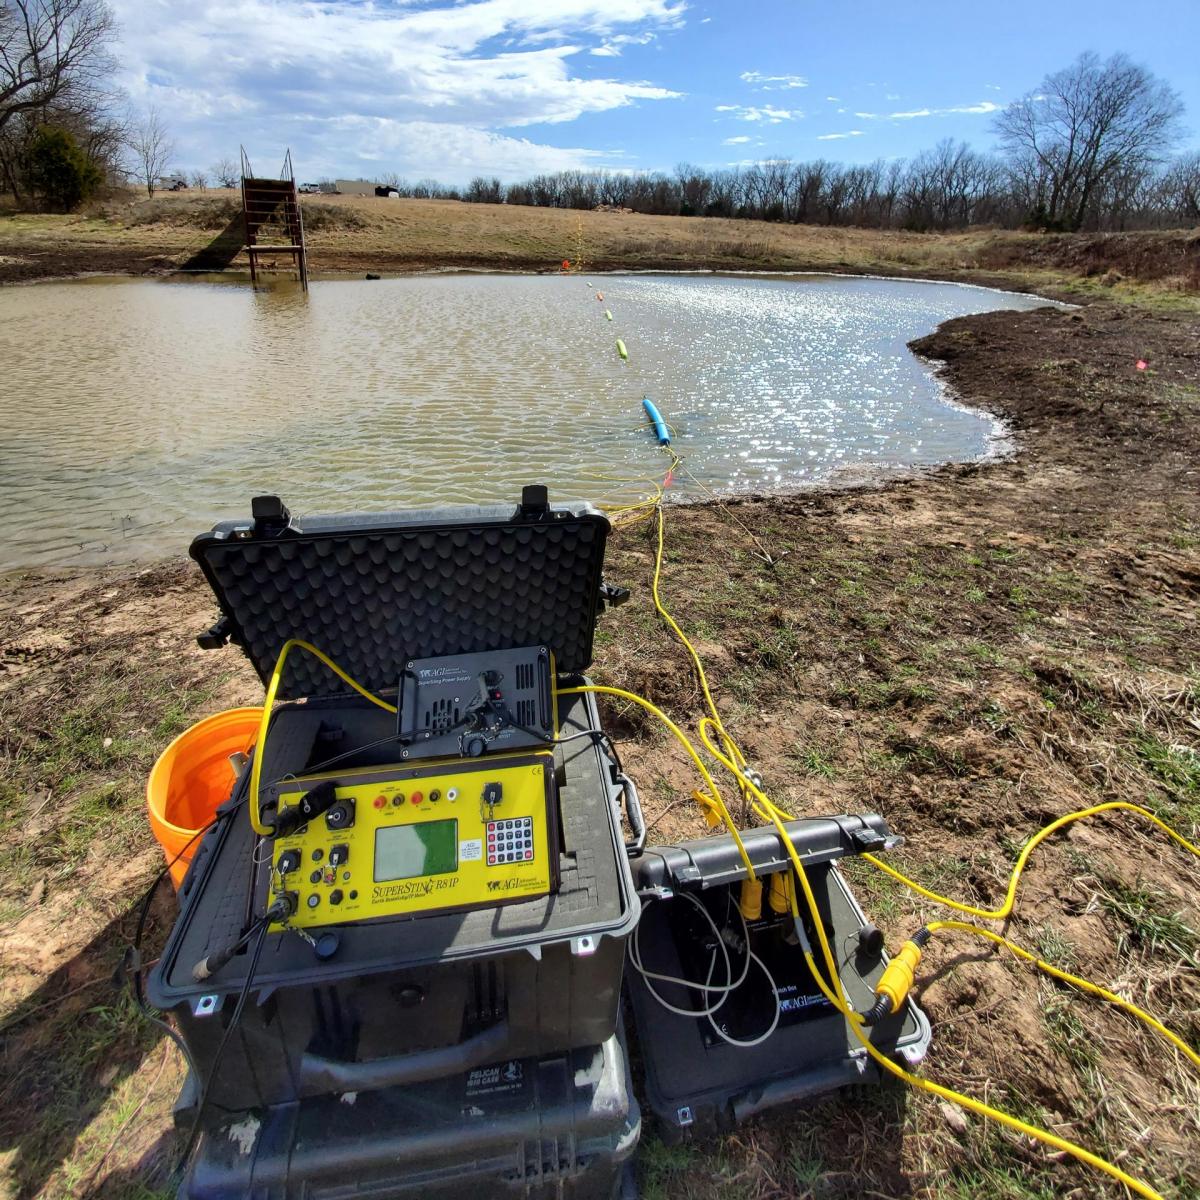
(373, 590)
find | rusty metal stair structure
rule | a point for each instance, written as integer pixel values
(274, 222)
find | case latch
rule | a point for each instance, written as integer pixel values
(217, 636)
(535, 501)
(271, 516)
(612, 595)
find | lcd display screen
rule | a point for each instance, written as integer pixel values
(410, 851)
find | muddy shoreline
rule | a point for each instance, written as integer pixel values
(22, 264)
(972, 652)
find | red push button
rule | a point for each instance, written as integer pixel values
(417, 797)
(380, 801)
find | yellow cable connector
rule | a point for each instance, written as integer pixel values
(782, 896)
(708, 810)
(750, 901)
(897, 979)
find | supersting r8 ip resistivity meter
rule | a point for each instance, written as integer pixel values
(407, 841)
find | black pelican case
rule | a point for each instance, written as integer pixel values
(406, 1001)
(560, 1127)
(697, 1083)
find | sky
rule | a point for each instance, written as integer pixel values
(450, 90)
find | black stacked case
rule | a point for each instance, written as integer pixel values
(367, 1072)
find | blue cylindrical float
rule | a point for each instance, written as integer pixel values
(660, 426)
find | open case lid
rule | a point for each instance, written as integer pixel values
(374, 590)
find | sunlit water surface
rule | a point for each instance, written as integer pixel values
(136, 413)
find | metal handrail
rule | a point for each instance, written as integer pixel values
(287, 174)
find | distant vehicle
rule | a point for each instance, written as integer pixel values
(172, 183)
(309, 188)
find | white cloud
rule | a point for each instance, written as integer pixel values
(736, 141)
(834, 99)
(892, 96)
(773, 83)
(834, 137)
(612, 47)
(450, 152)
(768, 113)
(984, 106)
(272, 72)
(992, 87)
(758, 162)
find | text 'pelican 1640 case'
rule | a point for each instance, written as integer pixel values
(443, 1053)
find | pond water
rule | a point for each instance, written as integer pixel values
(136, 413)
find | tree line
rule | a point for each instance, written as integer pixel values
(1088, 149)
(948, 187)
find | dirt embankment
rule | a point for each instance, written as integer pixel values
(351, 234)
(972, 653)
(1145, 256)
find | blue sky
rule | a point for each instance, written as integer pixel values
(512, 87)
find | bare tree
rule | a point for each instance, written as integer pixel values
(226, 172)
(1084, 125)
(152, 150)
(1181, 188)
(199, 179)
(53, 52)
(484, 191)
(694, 188)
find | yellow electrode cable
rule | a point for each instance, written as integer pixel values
(853, 1019)
(735, 763)
(714, 796)
(260, 743)
(1005, 910)
(1074, 980)
(734, 751)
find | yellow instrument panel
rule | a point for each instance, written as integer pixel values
(406, 841)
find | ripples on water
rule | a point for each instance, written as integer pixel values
(137, 413)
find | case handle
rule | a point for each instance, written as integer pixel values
(320, 1075)
(633, 810)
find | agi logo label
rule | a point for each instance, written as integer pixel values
(513, 885)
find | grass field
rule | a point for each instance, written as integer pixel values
(352, 234)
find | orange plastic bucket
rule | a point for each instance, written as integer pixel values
(192, 778)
